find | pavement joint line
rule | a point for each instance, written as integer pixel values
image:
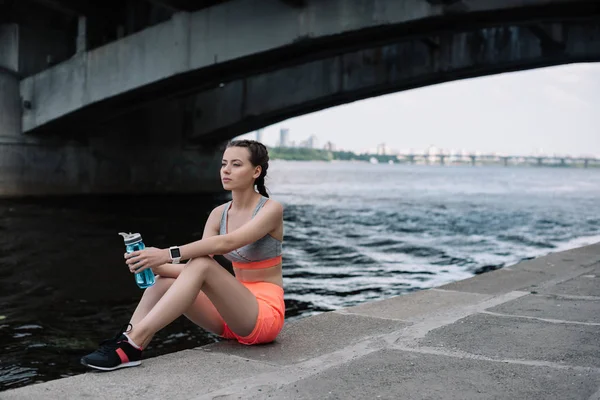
(459, 291)
(592, 264)
(340, 312)
(209, 351)
(471, 356)
(568, 276)
(550, 320)
(567, 296)
(449, 316)
(292, 373)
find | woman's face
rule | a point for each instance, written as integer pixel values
(237, 172)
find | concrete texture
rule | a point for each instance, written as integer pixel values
(10, 101)
(172, 376)
(321, 334)
(417, 306)
(241, 31)
(393, 374)
(499, 281)
(583, 285)
(459, 343)
(550, 306)
(141, 153)
(144, 152)
(506, 337)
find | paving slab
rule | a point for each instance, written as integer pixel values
(552, 307)
(583, 285)
(500, 281)
(417, 306)
(558, 264)
(395, 374)
(173, 376)
(312, 337)
(519, 338)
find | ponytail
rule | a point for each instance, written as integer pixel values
(260, 185)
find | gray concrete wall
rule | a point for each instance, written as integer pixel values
(10, 111)
(226, 32)
(145, 152)
(142, 153)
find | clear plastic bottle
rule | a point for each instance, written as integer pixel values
(133, 242)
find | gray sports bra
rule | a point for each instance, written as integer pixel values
(264, 248)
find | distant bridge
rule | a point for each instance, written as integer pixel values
(474, 159)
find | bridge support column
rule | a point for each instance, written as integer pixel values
(145, 152)
(10, 103)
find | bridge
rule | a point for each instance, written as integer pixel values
(474, 159)
(142, 97)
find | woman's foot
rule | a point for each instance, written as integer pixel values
(113, 354)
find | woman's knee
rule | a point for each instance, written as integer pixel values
(200, 263)
(199, 266)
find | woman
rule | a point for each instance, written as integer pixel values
(248, 307)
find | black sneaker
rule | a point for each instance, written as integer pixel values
(113, 354)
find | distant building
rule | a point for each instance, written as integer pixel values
(259, 135)
(284, 137)
(329, 146)
(382, 149)
(310, 143)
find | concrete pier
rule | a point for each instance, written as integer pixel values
(529, 331)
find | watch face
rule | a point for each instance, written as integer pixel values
(175, 253)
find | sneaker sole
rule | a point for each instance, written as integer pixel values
(124, 365)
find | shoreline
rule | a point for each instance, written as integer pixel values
(479, 333)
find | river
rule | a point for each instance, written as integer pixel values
(354, 232)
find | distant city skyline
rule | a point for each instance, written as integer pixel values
(554, 110)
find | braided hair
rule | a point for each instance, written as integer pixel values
(259, 155)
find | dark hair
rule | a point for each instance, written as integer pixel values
(259, 155)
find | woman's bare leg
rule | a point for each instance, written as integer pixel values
(150, 297)
(202, 312)
(234, 302)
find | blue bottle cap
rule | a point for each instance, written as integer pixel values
(131, 238)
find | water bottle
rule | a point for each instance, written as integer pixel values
(133, 242)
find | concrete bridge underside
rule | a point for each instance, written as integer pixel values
(151, 111)
(250, 103)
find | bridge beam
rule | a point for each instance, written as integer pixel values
(247, 104)
(192, 52)
(187, 5)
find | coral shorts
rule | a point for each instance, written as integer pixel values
(271, 314)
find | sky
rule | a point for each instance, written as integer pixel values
(552, 111)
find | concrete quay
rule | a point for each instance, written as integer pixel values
(529, 331)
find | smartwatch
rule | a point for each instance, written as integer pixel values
(175, 254)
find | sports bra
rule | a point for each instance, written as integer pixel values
(264, 253)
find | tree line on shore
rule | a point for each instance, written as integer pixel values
(306, 154)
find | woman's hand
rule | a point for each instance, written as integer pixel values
(150, 257)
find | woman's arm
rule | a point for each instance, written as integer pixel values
(265, 222)
(211, 228)
(169, 270)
